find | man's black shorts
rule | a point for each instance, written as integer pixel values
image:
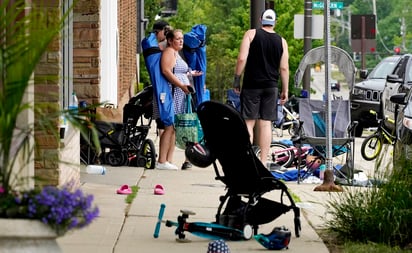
(259, 103)
(160, 124)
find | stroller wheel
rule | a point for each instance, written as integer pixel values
(247, 232)
(116, 158)
(149, 153)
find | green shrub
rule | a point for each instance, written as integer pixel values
(380, 214)
(371, 247)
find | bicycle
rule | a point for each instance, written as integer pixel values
(288, 119)
(372, 145)
(284, 155)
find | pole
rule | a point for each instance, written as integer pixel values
(256, 9)
(307, 42)
(140, 32)
(363, 42)
(327, 86)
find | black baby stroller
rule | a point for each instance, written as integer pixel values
(246, 178)
(125, 143)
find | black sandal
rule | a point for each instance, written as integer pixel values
(186, 165)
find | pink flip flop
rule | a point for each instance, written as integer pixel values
(158, 190)
(124, 189)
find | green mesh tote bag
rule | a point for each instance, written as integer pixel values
(187, 125)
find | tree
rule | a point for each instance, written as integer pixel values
(226, 23)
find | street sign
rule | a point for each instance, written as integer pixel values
(333, 5)
(317, 26)
(369, 29)
(369, 46)
(317, 5)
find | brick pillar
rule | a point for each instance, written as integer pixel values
(86, 46)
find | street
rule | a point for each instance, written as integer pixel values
(318, 85)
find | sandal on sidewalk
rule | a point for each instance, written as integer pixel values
(124, 189)
(159, 190)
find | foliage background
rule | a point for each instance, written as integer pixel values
(228, 20)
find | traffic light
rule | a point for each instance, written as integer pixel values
(356, 26)
(169, 8)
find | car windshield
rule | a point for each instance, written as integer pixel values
(384, 68)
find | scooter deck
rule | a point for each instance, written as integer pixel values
(208, 230)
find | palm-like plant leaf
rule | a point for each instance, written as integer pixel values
(25, 35)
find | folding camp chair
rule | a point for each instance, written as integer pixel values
(312, 131)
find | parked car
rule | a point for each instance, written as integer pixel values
(366, 95)
(403, 125)
(399, 81)
(397, 104)
(335, 85)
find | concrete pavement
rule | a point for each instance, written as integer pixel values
(124, 228)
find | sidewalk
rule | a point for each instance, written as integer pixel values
(123, 228)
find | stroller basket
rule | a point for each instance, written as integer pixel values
(111, 135)
(263, 212)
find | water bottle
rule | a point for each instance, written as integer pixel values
(74, 102)
(322, 169)
(96, 169)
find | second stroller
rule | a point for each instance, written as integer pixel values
(125, 143)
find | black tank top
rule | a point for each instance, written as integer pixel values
(262, 66)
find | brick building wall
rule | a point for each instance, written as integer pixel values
(127, 22)
(47, 97)
(86, 47)
(86, 54)
(86, 81)
(56, 161)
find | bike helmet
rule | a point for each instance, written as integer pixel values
(198, 154)
(278, 239)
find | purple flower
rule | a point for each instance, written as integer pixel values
(62, 209)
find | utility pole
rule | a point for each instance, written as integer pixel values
(363, 59)
(307, 41)
(327, 85)
(403, 33)
(256, 9)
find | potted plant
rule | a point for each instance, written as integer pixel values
(26, 33)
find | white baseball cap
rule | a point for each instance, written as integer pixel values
(269, 17)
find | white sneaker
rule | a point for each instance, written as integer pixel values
(166, 166)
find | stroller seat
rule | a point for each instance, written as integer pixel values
(246, 178)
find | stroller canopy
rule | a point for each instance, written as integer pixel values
(339, 57)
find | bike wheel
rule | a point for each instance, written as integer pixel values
(116, 158)
(371, 147)
(279, 154)
(149, 152)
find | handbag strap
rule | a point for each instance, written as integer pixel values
(189, 103)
